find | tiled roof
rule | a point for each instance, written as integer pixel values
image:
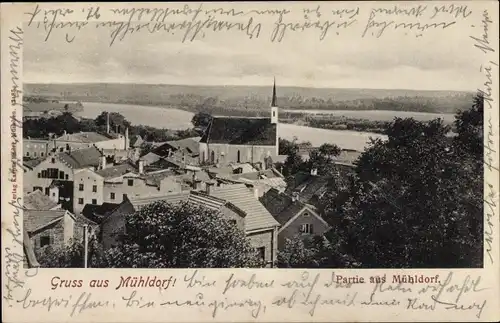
(84, 137)
(150, 158)
(171, 198)
(210, 202)
(258, 217)
(115, 171)
(190, 145)
(96, 212)
(281, 206)
(81, 158)
(47, 216)
(306, 185)
(240, 131)
(31, 163)
(38, 201)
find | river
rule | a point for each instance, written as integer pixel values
(176, 119)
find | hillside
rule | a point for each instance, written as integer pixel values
(195, 98)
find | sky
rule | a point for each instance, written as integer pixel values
(437, 60)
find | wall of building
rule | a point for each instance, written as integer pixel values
(139, 187)
(89, 179)
(34, 178)
(293, 229)
(60, 233)
(230, 214)
(35, 148)
(114, 225)
(267, 240)
(226, 153)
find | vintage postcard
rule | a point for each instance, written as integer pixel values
(250, 161)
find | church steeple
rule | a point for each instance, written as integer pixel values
(274, 102)
(274, 105)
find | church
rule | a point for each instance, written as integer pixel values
(241, 139)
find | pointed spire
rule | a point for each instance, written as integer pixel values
(274, 101)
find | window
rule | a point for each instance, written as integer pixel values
(44, 241)
(34, 154)
(47, 191)
(80, 201)
(42, 154)
(233, 222)
(37, 188)
(306, 228)
(306, 214)
(112, 196)
(27, 154)
(44, 174)
(61, 174)
(94, 201)
(238, 158)
(130, 182)
(262, 253)
(94, 188)
(274, 113)
(212, 156)
(124, 197)
(66, 177)
(80, 187)
(39, 175)
(53, 160)
(61, 149)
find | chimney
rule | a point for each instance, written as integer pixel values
(209, 187)
(314, 171)
(103, 162)
(141, 166)
(256, 192)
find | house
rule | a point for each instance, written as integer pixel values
(37, 148)
(55, 228)
(97, 213)
(37, 200)
(237, 202)
(49, 227)
(262, 180)
(308, 187)
(238, 140)
(260, 226)
(295, 217)
(184, 151)
(80, 140)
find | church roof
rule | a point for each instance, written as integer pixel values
(240, 131)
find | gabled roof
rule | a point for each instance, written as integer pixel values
(49, 217)
(258, 217)
(190, 145)
(84, 137)
(306, 185)
(39, 201)
(31, 163)
(81, 158)
(283, 207)
(212, 202)
(172, 198)
(116, 170)
(136, 141)
(97, 212)
(240, 131)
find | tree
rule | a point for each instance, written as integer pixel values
(162, 235)
(417, 198)
(201, 119)
(323, 159)
(116, 121)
